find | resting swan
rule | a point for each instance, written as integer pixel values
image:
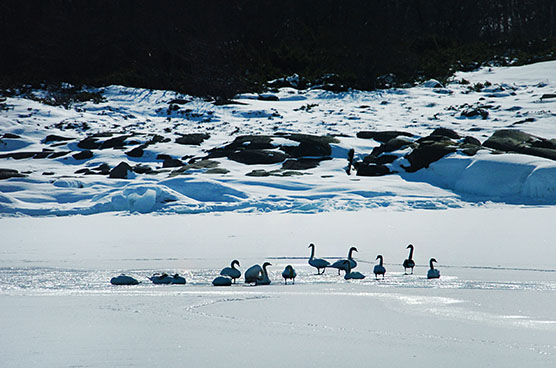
(379, 268)
(352, 275)
(257, 275)
(222, 281)
(289, 273)
(318, 263)
(231, 271)
(165, 279)
(123, 280)
(341, 265)
(433, 272)
(409, 263)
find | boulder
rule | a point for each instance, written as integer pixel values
(172, 162)
(55, 138)
(89, 143)
(445, 132)
(137, 151)
(121, 171)
(517, 141)
(382, 136)
(10, 173)
(83, 155)
(116, 142)
(366, 169)
(300, 164)
(309, 145)
(256, 156)
(425, 154)
(393, 144)
(192, 139)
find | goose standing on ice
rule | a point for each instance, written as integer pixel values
(341, 265)
(379, 268)
(409, 262)
(231, 271)
(433, 272)
(257, 275)
(289, 273)
(318, 263)
(352, 275)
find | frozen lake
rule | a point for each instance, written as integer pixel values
(492, 306)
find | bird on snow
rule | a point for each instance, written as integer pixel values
(231, 271)
(165, 279)
(318, 263)
(379, 268)
(222, 281)
(433, 272)
(340, 264)
(409, 262)
(289, 273)
(352, 275)
(257, 275)
(123, 280)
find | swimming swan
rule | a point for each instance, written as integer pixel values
(433, 272)
(352, 275)
(231, 271)
(379, 268)
(318, 263)
(341, 265)
(409, 262)
(123, 280)
(289, 273)
(257, 275)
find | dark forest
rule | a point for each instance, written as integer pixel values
(219, 48)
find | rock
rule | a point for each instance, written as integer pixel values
(255, 156)
(11, 136)
(58, 154)
(44, 154)
(445, 132)
(432, 83)
(179, 101)
(172, 162)
(137, 151)
(142, 169)
(382, 136)
(103, 169)
(425, 154)
(309, 145)
(473, 112)
(471, 140)
(380, 160)
(258, 173)
(514, 141)
(192, 139)
(10, 173)
(116, 142)
(365, 169)
(300, 164)
(547, 96)
(89, 143)
(121, 171)
(56, 138)
(83, 155)
(267, 97)
(19, 155)
(217, 170)
(393, 144)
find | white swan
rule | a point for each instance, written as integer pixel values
(379, 268)
(231, 271)
(318, 263)
(341, 265)
(123, 280)
(352, 275)
(165, 279)
(257, 275)
(409, 262)
(289, 273)
(222, 281)
(433, 272)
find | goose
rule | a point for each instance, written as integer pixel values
(379, 268)
(231, 271)
(257, 275)
(352, 275)
(340, 264)
(318, 263)
(123, 280)
(433, 272)
(222, 281)
(165, 279)
(289, 273)
(409, 262)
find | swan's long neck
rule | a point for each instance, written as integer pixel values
(312, 251)
(411, 253)
(234, 264)
(380, 260)
(265, 272)
(431, 263)
(350, 253)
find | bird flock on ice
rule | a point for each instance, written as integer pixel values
(258, 275)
